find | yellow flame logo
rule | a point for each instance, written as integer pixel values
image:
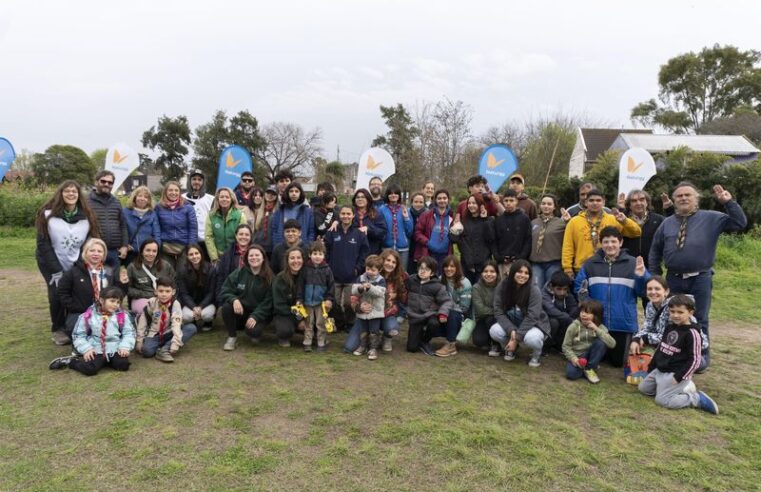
(230, 161)
(118, 158)
(632, 166)
(492, 162)
(371, 164)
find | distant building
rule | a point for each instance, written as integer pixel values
(737, 147)
(590, 143)
(350, 178)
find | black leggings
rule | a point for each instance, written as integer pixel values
(57, 311)
(420, 332)
(616, 356)
(91, 368)
(480, 335)
(236, 322)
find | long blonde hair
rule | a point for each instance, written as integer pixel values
(164, 199)
(215, 203)
(136, 192)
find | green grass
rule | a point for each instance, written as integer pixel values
(265, 418)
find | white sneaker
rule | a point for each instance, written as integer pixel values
(494, 350)
(387, 347)
(230, 343)
(535, 362)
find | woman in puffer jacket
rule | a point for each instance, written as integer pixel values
(177, 219)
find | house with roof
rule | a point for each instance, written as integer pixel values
(590, 143)
(737, 147)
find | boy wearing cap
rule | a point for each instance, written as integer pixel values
(517, 183)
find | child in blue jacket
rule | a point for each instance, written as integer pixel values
(104, 335)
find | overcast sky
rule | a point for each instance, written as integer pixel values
(94, 73)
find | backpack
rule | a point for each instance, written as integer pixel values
(88, 314)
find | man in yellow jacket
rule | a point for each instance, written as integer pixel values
(582, 233)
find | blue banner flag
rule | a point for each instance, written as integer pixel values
(7, 156)
(233, 161)
(496, 164)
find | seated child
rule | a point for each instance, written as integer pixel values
(586, 342)
(160, 331)
(561, 307)
(369, 295)
(104, 335)
(316, 287)
(676, 359)
(428, 306)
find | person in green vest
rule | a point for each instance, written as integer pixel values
(224, 218)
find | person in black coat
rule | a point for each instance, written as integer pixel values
(512, 231)
(81, 285)
(196, 287)
(476, 241)
(232, 259)
(113, 227)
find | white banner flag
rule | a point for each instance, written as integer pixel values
(635, 169)
(374, 162)
(121, 160)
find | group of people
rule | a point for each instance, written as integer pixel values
(540, 276)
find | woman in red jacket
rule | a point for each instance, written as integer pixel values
(432, 230)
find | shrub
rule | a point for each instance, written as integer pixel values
(18, 205)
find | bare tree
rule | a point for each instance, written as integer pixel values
(509, 133)
(289, 148)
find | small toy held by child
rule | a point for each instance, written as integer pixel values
(160, 332)
(104, 336)
(586, 342)
(676, 359)
(369, 295)
(315, 291)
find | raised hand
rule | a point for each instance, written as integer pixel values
(565, 215)
(639, 268)
(667, 203)
(621, 201)
(484, 213)
(720, 194)
(619, 215)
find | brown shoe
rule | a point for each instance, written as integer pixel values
(448, 349)
(60, 338)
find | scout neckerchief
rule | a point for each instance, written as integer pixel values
(594, 227)
(682, 236)
(540, 239)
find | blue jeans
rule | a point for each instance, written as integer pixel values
(112, 259)
(405, 255)
(700, 287)
(151, 345)
(439, 257)
(542, 271)
(594, 354)
(355, 334)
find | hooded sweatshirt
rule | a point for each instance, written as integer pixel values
(298, 211)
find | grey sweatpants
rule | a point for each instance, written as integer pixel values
(667, 392)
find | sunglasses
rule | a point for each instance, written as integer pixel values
(106, 182)
(247, 180)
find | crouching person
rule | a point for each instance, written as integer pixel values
(160, 331)
(676, 359)
(104, 335)
(428, 306)
(586, 342)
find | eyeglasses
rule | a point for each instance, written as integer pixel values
(105, 182)
(247, 180)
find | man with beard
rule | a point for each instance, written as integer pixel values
(244, 192)
(108, 210)
(201, 201)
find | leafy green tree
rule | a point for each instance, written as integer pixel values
(61, 162)
(547, 152)
(98, 158)
(744, 122)
(399, 141)
(170, 137)
(696, 88)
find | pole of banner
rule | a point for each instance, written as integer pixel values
(549, 167)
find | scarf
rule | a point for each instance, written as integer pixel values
(68, 216)
(640, 222)
(103, 328)
(241, 255)
(164, 309)
(268, 208)
(394, 221)
(172, 204)
(542, 231)
(361, 217)
(97, 275)
(441, 217)
(682, 235)
(140, 212)
(594, 228)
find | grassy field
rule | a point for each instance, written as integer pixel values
(267, 418)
